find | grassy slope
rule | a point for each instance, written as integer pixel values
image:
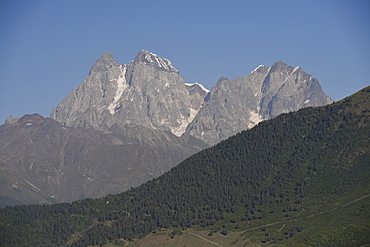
(345, 225)
(325, 220)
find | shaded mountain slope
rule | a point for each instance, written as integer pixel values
(42, 161)
(296, 165)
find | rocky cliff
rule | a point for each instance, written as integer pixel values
(150, 92)
(239, 104)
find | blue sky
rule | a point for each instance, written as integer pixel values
(48, 47)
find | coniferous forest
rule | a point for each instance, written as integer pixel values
(310, 168)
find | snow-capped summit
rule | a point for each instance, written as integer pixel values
(150, 92)
(197, 84)
(154, 60)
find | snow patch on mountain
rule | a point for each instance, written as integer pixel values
(154, 59)
(121, 86)
(184, 123)
(200, 85)
(259, 66)
(295, 69)
(254, 119)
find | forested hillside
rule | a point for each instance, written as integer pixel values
(290, 168)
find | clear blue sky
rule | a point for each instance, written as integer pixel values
(48, 47)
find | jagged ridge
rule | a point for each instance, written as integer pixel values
(150, 91)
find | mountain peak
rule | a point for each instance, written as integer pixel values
(107, 55)
(31, 117)
(154, 60)
(104, 62)
(279, 64)
(283, 67)
(11, 120)
(196, 84)
(143, 51)
(260, 68)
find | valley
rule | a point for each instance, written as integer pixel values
(300, 179)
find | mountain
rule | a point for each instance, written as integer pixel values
(300, 179)
(263, 94)
(128, 123)
(118, 128)
(42, 161)
(150, 92)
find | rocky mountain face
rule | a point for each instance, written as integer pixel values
(148, 91)
(239, 104)
(42, 161)
(128, 123)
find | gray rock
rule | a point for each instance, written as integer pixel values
(148, 91)
(43, 161)
(241, 103)
(198, 95)
(11, 120)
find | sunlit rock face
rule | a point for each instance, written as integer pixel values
(150, 92)
(241, 103)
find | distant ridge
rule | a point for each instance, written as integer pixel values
(42, 161)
